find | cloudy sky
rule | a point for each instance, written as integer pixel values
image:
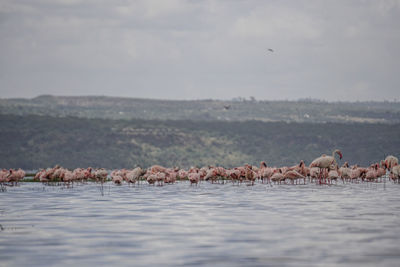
(172, 49)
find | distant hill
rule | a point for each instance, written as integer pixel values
(32, 141)
(204, 110)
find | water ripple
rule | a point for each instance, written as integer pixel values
(212, 225)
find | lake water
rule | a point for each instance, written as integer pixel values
(205, 225)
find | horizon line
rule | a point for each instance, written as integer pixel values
(234, 99)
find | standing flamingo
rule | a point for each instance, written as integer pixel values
(68, 177)
(395, 172)
(391, 161)
(293, 176)
(151, 178)
(194, 178)
(101, 175)
(325, 162)
(117, 179)
(3, 175)
(277, 176)
(372, 173)
(345, 171)
(333, 175)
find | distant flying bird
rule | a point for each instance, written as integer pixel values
(226, 107)
(270, 50)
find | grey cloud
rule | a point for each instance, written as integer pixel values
(334, 50)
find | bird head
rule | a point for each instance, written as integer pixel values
(263, 164)
(339, 153)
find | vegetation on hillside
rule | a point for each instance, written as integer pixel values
(205, 110)
(32, 142)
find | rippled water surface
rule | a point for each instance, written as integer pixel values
(211, 224)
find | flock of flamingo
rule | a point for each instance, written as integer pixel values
(322, 170)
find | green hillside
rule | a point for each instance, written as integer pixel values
(204, 110)
(32, 142)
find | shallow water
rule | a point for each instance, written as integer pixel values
(211, 224)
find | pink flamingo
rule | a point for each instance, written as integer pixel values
(79, 174)
(203, 172)
(151, 178)
(133, 175)
(333, 175)
(325, 162)
(182, 174)
(314, 173)
(68, 177)
(212, 175)
(249, 173)
(160, 177)
(381, 171)
(117, 179)
(391, 161)
(277, 176)
(194, 178)
(170, 176)
(300, 168)
(12, 176)
(265, 172)
(44, 176)
(357, 173)
(234, 175)
(344, 171)
(88, 173)
(293, 176)
(157, 168)
(3, 175)
(101, 175)
(372, 173)
(395, 172)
